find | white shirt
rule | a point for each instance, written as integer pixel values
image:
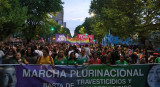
(40, 53)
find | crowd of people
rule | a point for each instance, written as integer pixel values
(67, 54)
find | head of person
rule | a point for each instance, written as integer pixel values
(18, 56)
(45, 52)
(83, 52)
(8, 76)
(74, 47)
(86, 45)
(122, 57)
(95, 55)
(109, 56)
(61, 54)
(29, 50)
(41, 48)
(72, 56)
(11, 52)
(153, 78)
(70, 48)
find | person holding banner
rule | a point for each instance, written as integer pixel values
(60, 59)
(107, 59)
(95, 59)
(18, 60)
(8, 76)
(72, 59)
(8, 56)
(157, 60)
(45, 59)
(122, 60)
(82, 58)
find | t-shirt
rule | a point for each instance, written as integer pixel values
(15, 61)
(157, 60)
(119, 62)
(45, 60)
(107, 62)
(92, 61)
(82, 60)
(40, 53)
(62, 62)
(87, 51)
(72, 62)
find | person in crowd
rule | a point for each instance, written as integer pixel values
(87, 50)
(60, 59)
(95, 59)
(107, 59)
(8, 56)
(30, 55)
(157, 60)
(18, 59)
(23, 50)
(54, 53)
(82, 58)
(152, 57)
(145, 54)
(70, 51)
(79, 48)
(39, 51)
(72, 59)
(122, 60)
(45, 59)
(127, 56)
(134, 58)
(76, 53)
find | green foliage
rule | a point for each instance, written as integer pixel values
(40, 21)
(126, 17)
(12, 17)
(82, 30)
(76, 31)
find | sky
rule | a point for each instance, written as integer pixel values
(75, 12)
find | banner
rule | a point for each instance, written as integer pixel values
(91, 39)
(71, 40)
(82, 36)
(85, 38)
(88, 76)
(76, 40)
(60, 38)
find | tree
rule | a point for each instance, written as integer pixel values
(12, 17)
(76, 31)
(38, 11)
(126, 17)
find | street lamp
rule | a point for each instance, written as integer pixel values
(92, 14)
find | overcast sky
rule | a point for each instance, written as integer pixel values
(75, 12)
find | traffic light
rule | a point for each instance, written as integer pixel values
(52, 29)
(86, 34)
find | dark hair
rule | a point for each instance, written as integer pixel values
(41, 48)
(71, 54)
(46, 50)
(11, 49)
(86, 45)
(32, 51)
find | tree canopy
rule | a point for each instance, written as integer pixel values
(126, 17)
(12, 17)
